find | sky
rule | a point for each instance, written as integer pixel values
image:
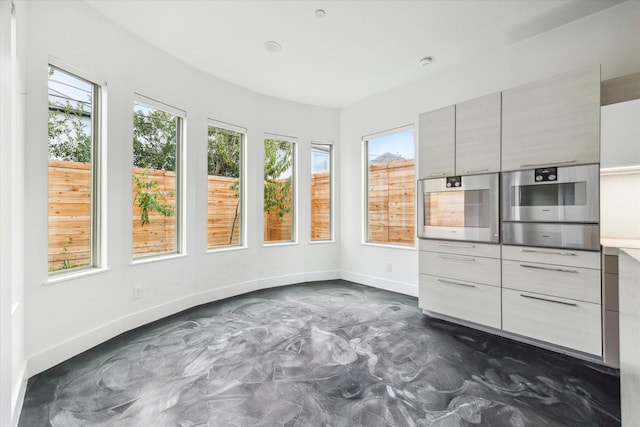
(400, 143)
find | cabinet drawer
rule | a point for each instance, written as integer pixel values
(559, 321)
(585, 259)
(581, 284)
(461, 267)
(464, 300)
(461, 248)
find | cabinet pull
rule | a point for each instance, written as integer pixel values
(572, 304)
(429, 175)
(457, 245)
(457, 258)
(561, 270)
(451, 282)
(535, 251)
(477, 170)
(560, 162)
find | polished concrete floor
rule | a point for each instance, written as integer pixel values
(319, 354)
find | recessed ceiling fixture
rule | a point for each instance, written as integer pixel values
(272, 46)
(320, 13)
(425, 61)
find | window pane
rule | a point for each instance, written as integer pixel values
(224, 165)
(278, 190)
(155, 151)
(71, 186)
(321, 191)
(390, 189)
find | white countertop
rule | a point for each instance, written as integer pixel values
(633, 253)
(610, 242)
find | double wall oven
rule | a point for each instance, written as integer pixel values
(549, 207)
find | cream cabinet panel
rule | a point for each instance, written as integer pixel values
(560, 321)
(464, 300)
(436, 143)
(552, 122)
(461, 248)
(586, 259)
(478, 135)
(582, 284)
(462, 267)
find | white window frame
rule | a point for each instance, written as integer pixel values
(181, 164)
(365, 187)
(98, 252)
(243, 187)
(294, 194)
(331, 238)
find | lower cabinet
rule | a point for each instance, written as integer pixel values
(560, 321)
(473, 302)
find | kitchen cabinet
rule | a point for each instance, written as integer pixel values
(461, 139)
(553, 295)
(552, 122)
(436, 143)
(478, 135)
(461, 281)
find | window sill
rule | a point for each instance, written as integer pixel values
(63, 277)
(276, 244)
(321, 242)
(225, 249)
(156, 258)
(390, 246)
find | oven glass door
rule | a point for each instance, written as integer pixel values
(469, 212)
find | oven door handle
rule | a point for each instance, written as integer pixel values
(561, 270)
(534, 251)
(457, 258)
(451, 282)
(560, 162)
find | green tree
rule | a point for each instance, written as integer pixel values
(154, 140)
(223, 152)
(278, 159)
(68, 137)
(148, 200)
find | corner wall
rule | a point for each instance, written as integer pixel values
(609, 37)
(70, 316)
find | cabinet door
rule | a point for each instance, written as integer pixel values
(552, 122)
(478, 135)
(437, 143)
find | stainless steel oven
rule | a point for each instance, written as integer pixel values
(554, 207)
(459, 208)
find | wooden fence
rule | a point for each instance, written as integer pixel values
(390, 212)
(391, 202)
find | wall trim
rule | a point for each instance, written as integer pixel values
(410, 289)
(54, 355)
(622, 170)
(17, 396)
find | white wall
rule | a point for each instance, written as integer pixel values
(609, 38)
(70, 316)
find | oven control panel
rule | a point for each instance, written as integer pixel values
(546, 174)
(454, 181)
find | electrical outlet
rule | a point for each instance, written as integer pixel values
(387, 266)
(137, 292)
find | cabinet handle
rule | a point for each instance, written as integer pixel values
(457, 245)
(451, 282)
(435, 174)
(562, 270)
(548, 252)
(560, 162)
(572, 304)
(477, 170)
(457, 258)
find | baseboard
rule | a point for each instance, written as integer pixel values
(17, 395)
(322, 275)
(377, 282)
(54, 355)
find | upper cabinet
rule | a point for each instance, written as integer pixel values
(436, 143)
(461, 139)
(478, 135)
(552, 122)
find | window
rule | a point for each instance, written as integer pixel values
(225, 185)
(321, 168)
(279, 189)
(73, 127)
(390, 187)
(157, 141)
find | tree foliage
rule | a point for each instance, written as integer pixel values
(223, 152)
(68, 137)
(154, 140)
(278, 160)
(148, 200)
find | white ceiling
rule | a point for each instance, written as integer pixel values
(359, 49)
